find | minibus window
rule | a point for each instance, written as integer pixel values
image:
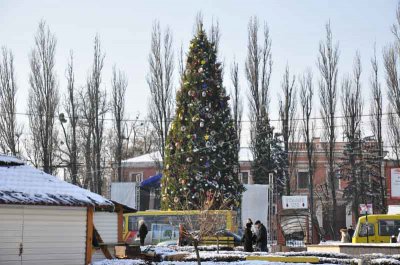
(363, 230)
(132, 223)
(388, 227)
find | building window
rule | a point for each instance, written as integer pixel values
(244, 177)
(302, 180)
(136, 177)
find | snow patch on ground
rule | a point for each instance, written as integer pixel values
(385, 261)
(119, 262)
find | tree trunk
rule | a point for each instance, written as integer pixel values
(196, 249)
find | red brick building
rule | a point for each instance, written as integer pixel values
(143, 167)
(299, 183)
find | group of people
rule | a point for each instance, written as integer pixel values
(346, 234)
(256, 236)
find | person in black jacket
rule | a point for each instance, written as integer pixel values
(142, 232)
(247, 238)
(350, 231)
(261, 236)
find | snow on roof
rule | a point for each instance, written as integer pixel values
(23, 184)
(5, 159)
(245, 155)
(150, 157)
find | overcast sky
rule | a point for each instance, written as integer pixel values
(124, 27)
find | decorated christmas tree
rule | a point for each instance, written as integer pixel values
(201, 157)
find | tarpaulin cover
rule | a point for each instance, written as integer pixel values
(124, 193)
(153, 181)
(255, 203)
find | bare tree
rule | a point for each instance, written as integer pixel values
(194, 228)
(9, 129)
(98, 101)
(93, 109)
(394, 134)
(396, 26)
(390, 58)
(237, 104)
(352, 105)
(148, 141)
(70, 131)
(181, 63)
(215, 35)
(308, 126)
(287, 110)
(160, 81)
(119, 84)
(328, 59)
(86, 126)
(376, 122)
(258, 69)
(43, 96)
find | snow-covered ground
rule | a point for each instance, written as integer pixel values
(210, 256)
(141, 262)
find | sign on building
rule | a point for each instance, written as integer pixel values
(395, 183)
(366, 208)
(294, 202)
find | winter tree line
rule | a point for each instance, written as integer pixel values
(68, 129)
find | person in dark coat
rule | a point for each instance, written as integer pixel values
(142, 232)
(261, 236)
(350, 231)
(247, 238)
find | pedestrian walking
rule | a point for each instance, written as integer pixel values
(142, 232)
(261, 237)
(247, 238)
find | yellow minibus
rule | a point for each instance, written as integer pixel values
(379, 228)
(164, 225)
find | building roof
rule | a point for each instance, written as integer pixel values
(150, 159)
(24, 184)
